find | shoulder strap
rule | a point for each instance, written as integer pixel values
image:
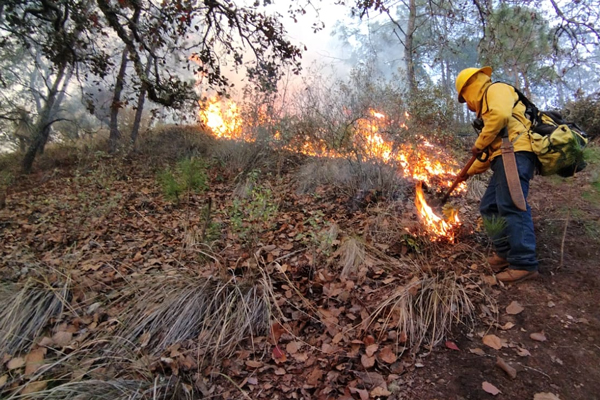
(531, 111)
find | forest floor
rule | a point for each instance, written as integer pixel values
(253, 288)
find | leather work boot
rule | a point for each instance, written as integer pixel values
(497, 263)
(516, 275)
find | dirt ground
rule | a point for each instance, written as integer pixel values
(562, 303)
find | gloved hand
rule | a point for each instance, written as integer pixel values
(475, 151)
(462, 178)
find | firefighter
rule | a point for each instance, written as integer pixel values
(504, 138)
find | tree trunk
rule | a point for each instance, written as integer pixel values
(408, 48)
(115, 135)
(41, 130)
(59, 98)
(140, 108)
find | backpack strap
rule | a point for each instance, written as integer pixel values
(531, 111)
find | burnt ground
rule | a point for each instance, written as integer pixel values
(562, 303)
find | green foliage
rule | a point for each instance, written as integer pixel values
(253, 213)
(320, 234)
(494, 226)
(585, 111)
(432, 112)
(7, 178)
(517, 42)
(189, 176)
(412, 243)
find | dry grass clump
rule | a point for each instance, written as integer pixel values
(175, 142)
(239, 157)
(426, 308)
(219, 315)
(352, 255)
(165, 388)
(352, 177)
(476, 186)
(27, 310)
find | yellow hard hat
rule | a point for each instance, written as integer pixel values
(464, 75)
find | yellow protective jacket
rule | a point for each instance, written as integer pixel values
(498, 108)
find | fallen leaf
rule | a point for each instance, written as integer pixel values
(490, 280)
(514, 308)
(545, 396)
(3, 380)
(254, 364)
(369, 340)
(364, 395)
(15, 363)
(367, 361)
(34, 387)
(327, 348)
(314, 377)
(451, 345)
(387, 355)
(62, 338)
(46, 342)
(507, 326)
(34, 360)
(252, 380)
(276, 330)
(489, 388)
(337, 338)
(523, 352)
(379, 391)
(477, 351)
(539, 336)
(494, 341)
(293, 347)
(371, 379)
(370, 350)
(278, 355)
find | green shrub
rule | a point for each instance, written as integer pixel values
(432, 113)
(189, 176)
(585, 111)
(253, 212)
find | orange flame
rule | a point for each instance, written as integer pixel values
(223, 119)
(438, 226)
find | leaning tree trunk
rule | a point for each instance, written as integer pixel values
(115, 134)
(140, 107)
(41, 129)
(59, 98)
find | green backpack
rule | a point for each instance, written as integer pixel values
(558, 144)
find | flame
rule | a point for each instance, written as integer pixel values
(421, 162)
(440, 227)
(224, 119)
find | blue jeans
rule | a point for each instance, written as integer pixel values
(515, 238)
